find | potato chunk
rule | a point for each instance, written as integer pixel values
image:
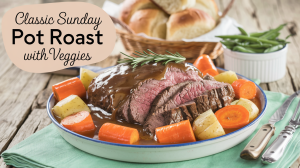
(227, 77)
(86, 77)
(207, 126)
(69, 105)
(249, 105)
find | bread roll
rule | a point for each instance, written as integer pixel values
(208, 6)
(189, 24)
(152, 22)
(173, 6)
(129, 7)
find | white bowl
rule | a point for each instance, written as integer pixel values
(159, 153)
(267, 67)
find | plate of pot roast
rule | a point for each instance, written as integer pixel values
(156, 108)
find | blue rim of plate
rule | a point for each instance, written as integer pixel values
(160, 146)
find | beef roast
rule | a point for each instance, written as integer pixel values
(206, 89)
(226, 95)
(215, 99)
(176, 115)
(186, 94)
(202, 104)
(143, 96)
(214, 102)
(166, 94)
(120, 88)
(192, 109)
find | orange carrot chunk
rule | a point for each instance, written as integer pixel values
(118, 134)
(80, 123)
(211, 72)
(244, 89)
(233, 116)
(69, 87)
(204, 63)
(181, 132)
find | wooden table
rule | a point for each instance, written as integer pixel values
(23, 95)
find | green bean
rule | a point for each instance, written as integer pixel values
(260, 45)
(254, 39)
(274, 36)
(257, 34)
(243, 32)
(256, 50)
(271, 32)
(242, 49)
(273, 48)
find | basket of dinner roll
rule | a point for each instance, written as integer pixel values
(162, 25)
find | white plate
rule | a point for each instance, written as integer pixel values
(159, 153)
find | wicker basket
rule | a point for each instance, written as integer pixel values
(190, 50)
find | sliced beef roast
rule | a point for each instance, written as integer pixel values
(214, 102)
(176, 115)
(202, 104)
(186, 94)
(173, 116)
(207, 90)
(192, 109)
(143, 96)
(166, 95)
(215, 99)
(226, 95)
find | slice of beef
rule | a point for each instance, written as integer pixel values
(173, 116)
(214, 101)
(122, 112)
(186, 94)
(165, 95)
(208, 77)
(185, 113)
(209, 84)
(176, 115)
(143, 96)
(202, 104)
(192, 109)
(226, 95)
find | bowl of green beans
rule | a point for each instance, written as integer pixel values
(259, 55)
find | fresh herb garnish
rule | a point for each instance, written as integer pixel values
(145, 58)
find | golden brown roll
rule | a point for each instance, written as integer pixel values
(152, 22)
(173, 6)
(129, 7)
(208, 6)
(189, 24)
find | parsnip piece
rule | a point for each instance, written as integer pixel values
(227, 77)
(207, 126)
(250, 106)
(70, 105)
(86, 77)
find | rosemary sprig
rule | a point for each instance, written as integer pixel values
(145, 58)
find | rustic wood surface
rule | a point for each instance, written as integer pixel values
(23, 95)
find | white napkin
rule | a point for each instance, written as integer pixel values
(227, 25)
